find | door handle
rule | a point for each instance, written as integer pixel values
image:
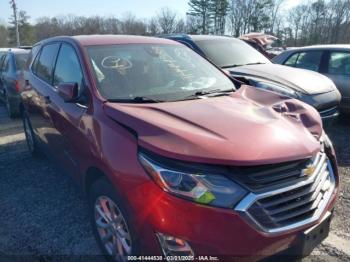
(47, 99)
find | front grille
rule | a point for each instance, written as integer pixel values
(295, 205)
(268, 177)
(328, 112)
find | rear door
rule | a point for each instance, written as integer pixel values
(39, 83)
(338, 69)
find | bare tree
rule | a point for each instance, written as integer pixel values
(130, 24)
(167, 20)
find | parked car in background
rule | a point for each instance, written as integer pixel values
(332, 61)
(12, 63)
(174, 160)
(248, 65)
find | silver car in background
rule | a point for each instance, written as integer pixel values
(332, 61)
(245, 63)
(12, 64)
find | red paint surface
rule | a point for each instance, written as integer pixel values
(250, 127)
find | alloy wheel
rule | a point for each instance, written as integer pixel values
(112, 228)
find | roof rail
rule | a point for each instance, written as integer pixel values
(25, 47)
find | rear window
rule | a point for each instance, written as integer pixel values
(21, 60)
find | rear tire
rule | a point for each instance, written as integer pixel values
(111, 222)
(30, 136)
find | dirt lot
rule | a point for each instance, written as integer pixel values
(43, 213)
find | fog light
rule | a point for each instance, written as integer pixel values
(173, 246)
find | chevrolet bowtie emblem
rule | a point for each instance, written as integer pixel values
(308, 171)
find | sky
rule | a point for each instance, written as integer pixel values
(140, 8)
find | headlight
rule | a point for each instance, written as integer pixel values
(276, 88)
(209, 189)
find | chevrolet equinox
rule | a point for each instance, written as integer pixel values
(176, 159)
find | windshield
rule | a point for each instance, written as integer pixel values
(153, 71)
(229, 52)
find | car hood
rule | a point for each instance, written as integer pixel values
(304, 81)
(248, 127)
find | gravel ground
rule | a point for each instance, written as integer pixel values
(44, 214)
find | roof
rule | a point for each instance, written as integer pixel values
(210, 37)
(90, 40)
(15, 50)
(196, 37)
(323, 47)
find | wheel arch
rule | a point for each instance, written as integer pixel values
(91, 176)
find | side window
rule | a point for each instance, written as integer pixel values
(309, 60)
(35, 63)
(339, 63)
(45, 63)
(33, 55)
(68, 67)
(2, 58)
(2, 62)
(6, 65)
(291, 61)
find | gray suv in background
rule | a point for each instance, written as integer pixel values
(332, 61)
(12, 65)
(248, 65)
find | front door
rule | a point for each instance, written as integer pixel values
(66, 117)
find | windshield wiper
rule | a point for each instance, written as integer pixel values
(236, 65)
(136, 99)
(213, 93)
(256, 63)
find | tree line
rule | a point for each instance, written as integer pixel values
(310, 22)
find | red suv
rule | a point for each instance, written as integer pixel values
(176, 158)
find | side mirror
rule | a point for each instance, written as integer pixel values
(68, 91)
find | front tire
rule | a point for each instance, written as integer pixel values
(111, 223)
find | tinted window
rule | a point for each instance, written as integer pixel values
(35, 63)
(2, 61)
(67, 67)
(339, 63)
(21, 60)
(291, 61)
(32, 55)
(309, 60)
(227, 52)
(46, 61)
(163, 72)
(2, 58)
(6, 65)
